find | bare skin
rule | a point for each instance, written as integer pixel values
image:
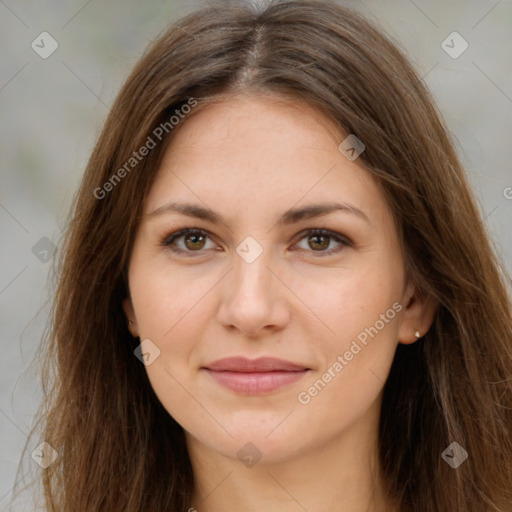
(306, 298)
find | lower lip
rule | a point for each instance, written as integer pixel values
(256, 383)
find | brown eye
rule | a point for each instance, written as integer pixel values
(187, 241)
(319, 242)
(194, 241)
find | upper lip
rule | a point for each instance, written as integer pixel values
(262, 364)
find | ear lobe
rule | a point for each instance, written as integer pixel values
(130, 317)
(417, 316)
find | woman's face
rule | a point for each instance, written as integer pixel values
(255, 178)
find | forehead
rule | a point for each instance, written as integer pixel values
(268, 121)
(261, 152)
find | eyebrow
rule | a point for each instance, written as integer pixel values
(291, 216)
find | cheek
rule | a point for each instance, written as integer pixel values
(356, 360)
(352, 299)
(170, 310)
(361, 309)
(167, 300)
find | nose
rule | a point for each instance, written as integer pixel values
(253, 298)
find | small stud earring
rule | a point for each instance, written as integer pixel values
(130, 323)
(417, 334)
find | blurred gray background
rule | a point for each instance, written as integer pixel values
(52, 107)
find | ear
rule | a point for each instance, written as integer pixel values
(417, 316)
(130, 317)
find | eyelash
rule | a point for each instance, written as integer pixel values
(168, 240)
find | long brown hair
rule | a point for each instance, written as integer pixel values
(119, 449)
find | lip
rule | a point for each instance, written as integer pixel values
(262, 364)
(255, 376)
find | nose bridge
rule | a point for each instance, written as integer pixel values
(250, 297)
(251, 273)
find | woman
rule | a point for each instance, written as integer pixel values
(276, 291)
